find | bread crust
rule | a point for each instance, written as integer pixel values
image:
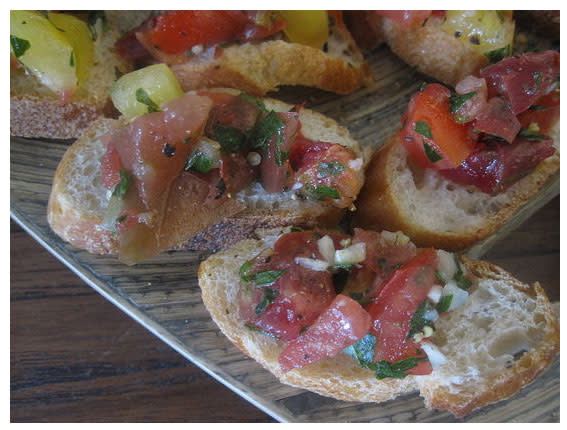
(340, 377)
(186, 222)
(520, 373)
(381, 202)
(257, 68)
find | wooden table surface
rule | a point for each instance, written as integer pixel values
(75, 357)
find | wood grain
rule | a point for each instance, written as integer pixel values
(163, 295)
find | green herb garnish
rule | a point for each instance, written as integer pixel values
(418, 320)
(423, 128)
(431, 153)
(462, 282)
(269, 296)
(458, 100)
(143, 97)
(199, 162)
(72, 60)
(245, 274)
(230, 138)
(397, 369)
(497, 55)
(531, 135)
(538, 107)
(444, 303)
(123, 186)
(121, 219)
(19, 46)
(440, 277)
(345, 266)
(255, 101)
(264, 130)
(263, 279)
(330, 168)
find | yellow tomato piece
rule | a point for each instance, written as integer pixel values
(144, 90)
(43, 50)
(308, 27)
(78, 34)
(484, 30)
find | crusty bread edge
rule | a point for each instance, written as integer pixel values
(219, 282)
(378, 207)
(522, 372)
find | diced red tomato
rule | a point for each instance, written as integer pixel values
(236, 172)
(155, 147)
(406, 18)
(340, 325)
(176, 31)
(497, 119)
(429, 112)
(306, 152)
(396, 304)
(524, 79)
(261, 24)
(544, 113)
(110, 167)
(302, 295)
(275, 168)
(494, 168)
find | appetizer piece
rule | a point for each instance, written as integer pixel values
(215, 163)
(61, 67)
(447, 45)
(253, 51)
(465, 162)
(369, 317)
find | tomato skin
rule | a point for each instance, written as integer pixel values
(544, 118)
(176, 31)
(451, 140)
(396, 304)
(110, 167)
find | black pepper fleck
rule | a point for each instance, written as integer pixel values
(458, 34)
(168, 150)
(474, 40)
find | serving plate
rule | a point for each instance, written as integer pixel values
(163, 295)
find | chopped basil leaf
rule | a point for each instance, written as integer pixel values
(440, 277)
(497, 55)
(143, 97)
(252, 327)
(423, 128)
(121, 219)
(281, 156)
(264, 130)
(444, 303)
(72, 60)
(123, 186)
(363, 351)
(263, 279)
(418, 320)
(269, 296)
(257, 102)
(462, 282)
(538, 107)
(296, 229)
(346, 266)
(431, 153)
(199, 162)
(397, 369)
(230, 138)
(245, 274)
(322, 191)
(330, 168)
(530, 135)
(19, 46)
(221, 188)
(458, 100)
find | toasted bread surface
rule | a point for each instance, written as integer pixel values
(502, 318)
(434, 211)
(78, 199)
(35, 111)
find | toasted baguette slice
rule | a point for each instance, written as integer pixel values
(434, 211)
(78, 200)
(502, 319)
(260, 67)
(35, 111)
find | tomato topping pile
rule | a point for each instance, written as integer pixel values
(478, 135)
(297, 293)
